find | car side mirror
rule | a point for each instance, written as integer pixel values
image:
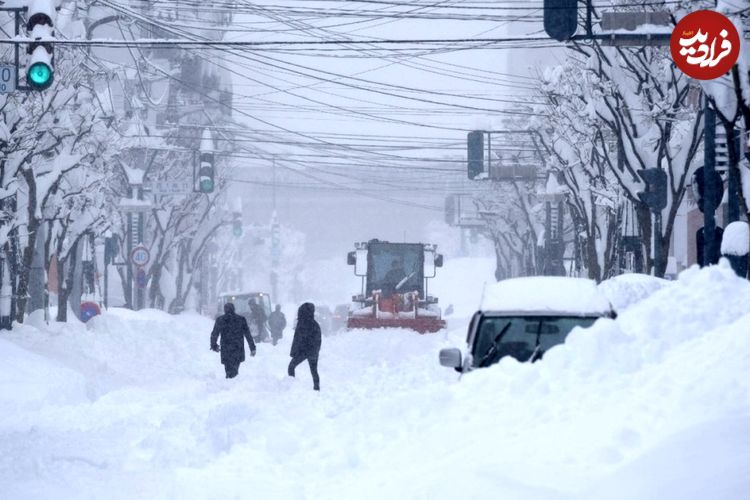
(451, 357)
(439, 260)
(351, 258)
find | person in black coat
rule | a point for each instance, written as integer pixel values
(276, 323)
(233, 330)
(306, 342)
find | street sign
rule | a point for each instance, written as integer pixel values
(88, 310)
(182, 186)
(7, 78)
(140, 278)
(140, 256)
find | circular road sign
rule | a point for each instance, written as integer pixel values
(140, 256)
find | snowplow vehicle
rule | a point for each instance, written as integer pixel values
(394, 286)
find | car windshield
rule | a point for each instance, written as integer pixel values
(522, 337)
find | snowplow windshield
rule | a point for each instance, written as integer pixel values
(395, 268)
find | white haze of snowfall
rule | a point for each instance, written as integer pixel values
(653, 404)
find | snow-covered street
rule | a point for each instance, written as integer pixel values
(507, 243)
(654, 403)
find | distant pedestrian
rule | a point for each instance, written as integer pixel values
(258, 317)
(276, 323)
(306, 342)
(232, 329)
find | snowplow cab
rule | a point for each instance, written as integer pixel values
(394, 286)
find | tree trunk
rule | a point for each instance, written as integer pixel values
(156, 298)
(62, 293)
(645, 224)
(65, 289)
(23, 276)
(178, 304)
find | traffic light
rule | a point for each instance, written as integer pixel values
(561, 19)
(206, 173)
(655, 195)
(707, 194)
(237, 226)
(40, 72)
(700, 239)
(475, 153)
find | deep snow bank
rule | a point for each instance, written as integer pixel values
(643, 406)
(30, 381)
(627, 289)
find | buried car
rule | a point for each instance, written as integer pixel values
(525, 317)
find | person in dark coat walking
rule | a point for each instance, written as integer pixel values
(306, 342)
(276, 323)
(233, 330)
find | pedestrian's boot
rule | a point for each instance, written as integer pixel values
(316, 387)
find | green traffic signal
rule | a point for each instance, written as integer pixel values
(39, 76)
(237, 231)
(207, 185)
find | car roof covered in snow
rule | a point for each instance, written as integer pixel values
(546, 295)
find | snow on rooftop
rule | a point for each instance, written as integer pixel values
(553, 294)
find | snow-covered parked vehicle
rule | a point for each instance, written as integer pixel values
(525, 317)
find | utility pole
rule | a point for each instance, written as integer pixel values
(274, 185)
(275, 240)
(710, 247)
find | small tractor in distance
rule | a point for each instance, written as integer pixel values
(394, 286)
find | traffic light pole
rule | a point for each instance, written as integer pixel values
(17, 11)
(734, 146)
(709, 169)
(659, 264)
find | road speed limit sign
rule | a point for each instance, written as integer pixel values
(140, 256)
(7, 78)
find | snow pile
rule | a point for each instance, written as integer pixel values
(30, 381)
(653, 404)
(736, 239)
(627, 289)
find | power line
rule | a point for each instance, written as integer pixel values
(209, 44)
